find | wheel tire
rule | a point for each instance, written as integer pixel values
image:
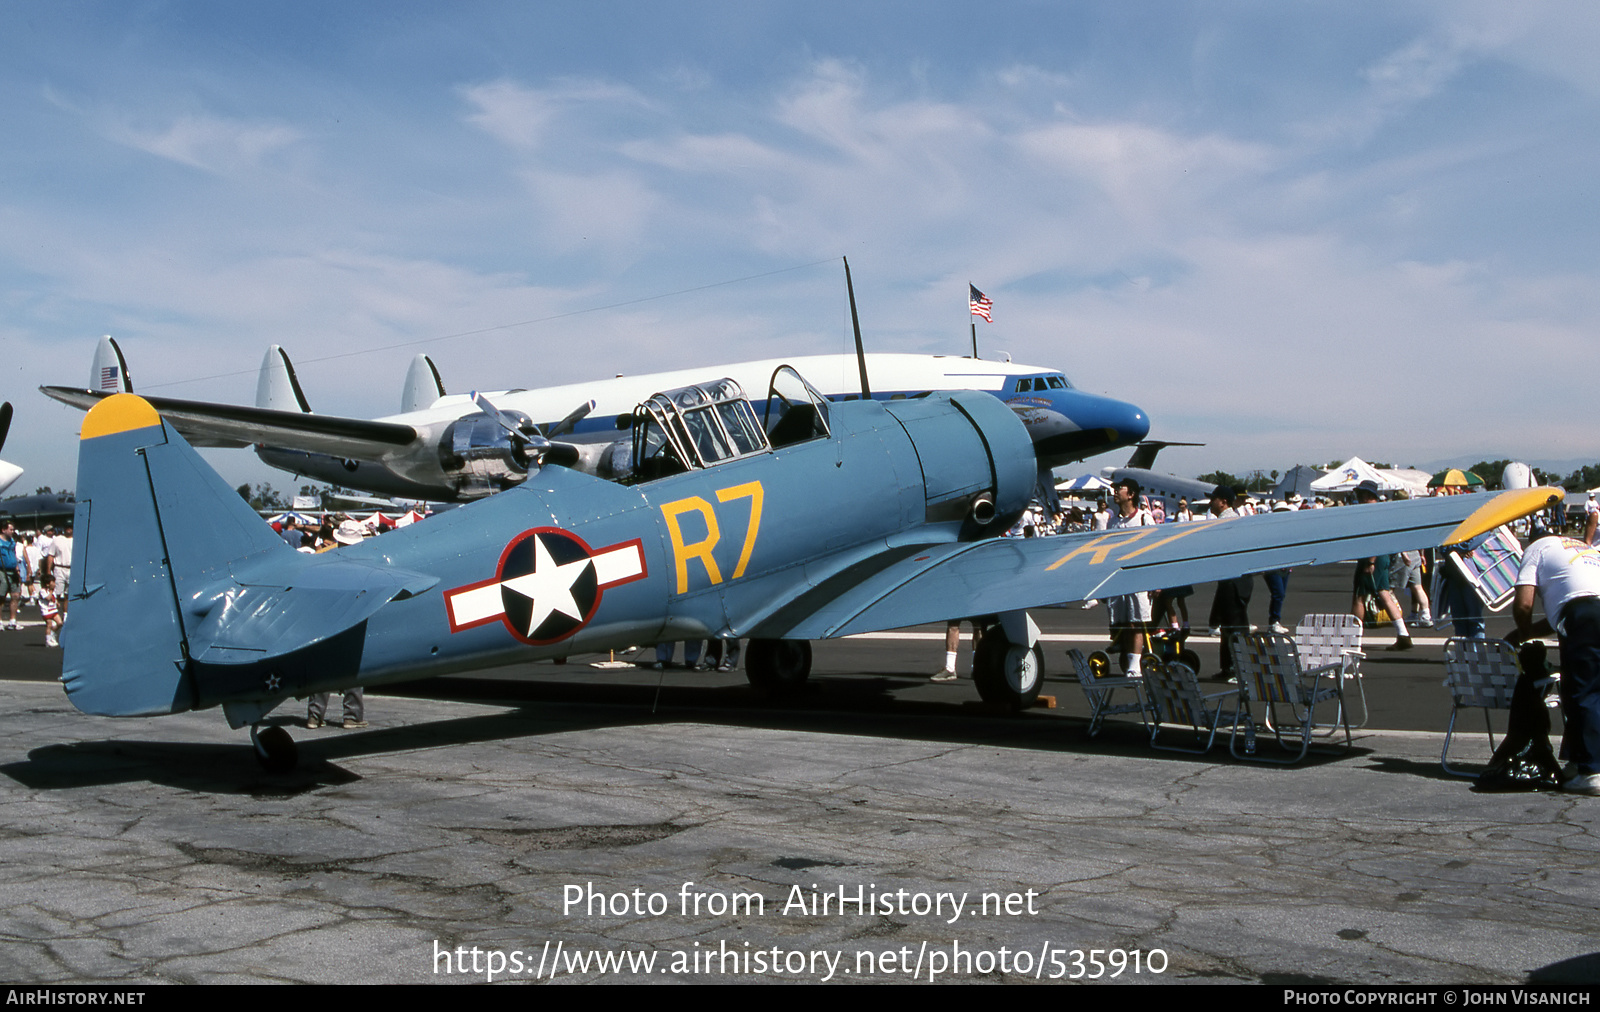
(275, 750)
(1190, 660)
(777, 667)
(1007, 674)
(1100, 664)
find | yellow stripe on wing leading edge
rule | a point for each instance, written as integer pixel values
(1502, 509)
(118, 413)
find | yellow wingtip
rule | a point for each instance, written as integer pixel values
(118, 413)
(1502, 508)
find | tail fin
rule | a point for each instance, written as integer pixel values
(125, 649)
(183, 598)
(277, 387)
(423, 385)
(1144, 454)
(108, 373)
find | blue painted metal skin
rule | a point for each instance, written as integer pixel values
(183, 599)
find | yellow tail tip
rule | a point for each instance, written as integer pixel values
(118, 413)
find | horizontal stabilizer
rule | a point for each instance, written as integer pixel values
(257, 618)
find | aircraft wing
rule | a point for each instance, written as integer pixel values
(204, 423)
(911, 586)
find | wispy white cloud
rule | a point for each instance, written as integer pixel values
(210, 143)
(1183, 248)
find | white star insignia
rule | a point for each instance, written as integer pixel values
(548, 587)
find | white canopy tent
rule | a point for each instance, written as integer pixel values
(1352, 473)
(1084, 483)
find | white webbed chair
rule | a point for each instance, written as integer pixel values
(1335, 639)
(1482, 674)
(1176, 696)
(1292, 696)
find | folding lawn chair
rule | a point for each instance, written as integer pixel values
(1334, 639)
(1100, 691)
(1178, 699)
(1270, 673)
(1480, 673)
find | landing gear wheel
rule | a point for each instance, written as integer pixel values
(1007, 674)
(777, 666)
(1100, 664)
(275, 750)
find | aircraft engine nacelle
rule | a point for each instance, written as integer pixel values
(978, 463)
(479, 457)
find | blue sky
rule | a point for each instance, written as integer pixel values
(1294, 231)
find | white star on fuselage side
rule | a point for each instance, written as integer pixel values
(548, 587)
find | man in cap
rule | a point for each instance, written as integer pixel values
(1564, 575)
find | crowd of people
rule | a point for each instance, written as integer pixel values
(35, 567)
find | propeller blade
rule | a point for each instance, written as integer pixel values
(566, 424)
(525, 438)
(5, 422)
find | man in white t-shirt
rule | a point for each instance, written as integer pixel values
(1130, 613)
(57, 555)
(1564, 575)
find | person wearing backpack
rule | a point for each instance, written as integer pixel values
(10, 571)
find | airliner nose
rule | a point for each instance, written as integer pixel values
(1129, 421)
(1094, 425)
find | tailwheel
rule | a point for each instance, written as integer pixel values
(777, 666)
(275, 750)
(1007, 674)
(1100, 664)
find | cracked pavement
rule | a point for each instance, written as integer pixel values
(157, 850)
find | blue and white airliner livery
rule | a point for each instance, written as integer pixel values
(450, 447)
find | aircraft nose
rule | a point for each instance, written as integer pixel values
(1129, 422)
(1094, 425)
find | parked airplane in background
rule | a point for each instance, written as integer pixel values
(784, 521)
(447, 447)
(1169, 488)
(8, 472)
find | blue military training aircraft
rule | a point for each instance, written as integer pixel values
(805, 521)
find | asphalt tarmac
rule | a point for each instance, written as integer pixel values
(559, 818)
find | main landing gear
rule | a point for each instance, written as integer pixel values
(777, 667)
(1008, 672)
(275, 750)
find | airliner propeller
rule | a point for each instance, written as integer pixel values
(529, 445)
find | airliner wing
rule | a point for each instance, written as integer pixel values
(203, 423)
(912, 586)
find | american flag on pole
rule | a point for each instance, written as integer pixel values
(979, 304)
